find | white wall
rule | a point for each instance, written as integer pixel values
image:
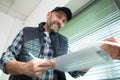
(9, 27)
(39, 14)
(6, 23)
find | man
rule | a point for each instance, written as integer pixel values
(29, 56)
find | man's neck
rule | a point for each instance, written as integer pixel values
(46, 28)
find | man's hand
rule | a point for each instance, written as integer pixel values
(33, 68)
(112, 51)
(36, 68)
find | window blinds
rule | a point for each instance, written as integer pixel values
(97, 22)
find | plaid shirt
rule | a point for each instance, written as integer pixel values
(47, 54)
(15, 49)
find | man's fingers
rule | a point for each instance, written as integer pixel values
(112, 51)
(47, 63)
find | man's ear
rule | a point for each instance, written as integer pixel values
(48, 15)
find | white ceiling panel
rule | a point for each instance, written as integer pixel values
(6, 2)
(18, 8)
(16, 14)
(25, 6)
(3, 8)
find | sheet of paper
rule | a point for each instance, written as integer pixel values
(89, 55)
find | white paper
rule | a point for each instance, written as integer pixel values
(89, 55)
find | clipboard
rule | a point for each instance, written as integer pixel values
(86, 57)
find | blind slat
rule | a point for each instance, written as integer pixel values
(100, 20)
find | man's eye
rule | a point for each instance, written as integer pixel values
(64, 21)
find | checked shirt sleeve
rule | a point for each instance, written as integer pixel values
(12, 51)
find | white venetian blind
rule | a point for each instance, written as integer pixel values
(97, 22)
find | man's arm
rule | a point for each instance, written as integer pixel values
(11, 52)
(33, 68)
(14, 67)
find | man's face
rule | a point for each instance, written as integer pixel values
(56, 20)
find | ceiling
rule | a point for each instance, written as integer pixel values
(18, 8)
(23, 8)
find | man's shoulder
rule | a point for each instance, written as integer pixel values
(62, 36)
(29, 28)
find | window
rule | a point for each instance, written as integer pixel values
(97, 22)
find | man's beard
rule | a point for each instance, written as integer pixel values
(51, 24)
